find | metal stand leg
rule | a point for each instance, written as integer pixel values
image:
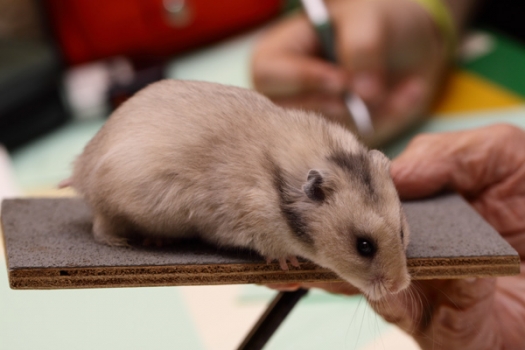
(272, 318)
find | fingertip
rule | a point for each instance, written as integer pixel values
(396, 166)
(400, 169)
(414, 178)
(284, 287)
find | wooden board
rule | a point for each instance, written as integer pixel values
(49, 245)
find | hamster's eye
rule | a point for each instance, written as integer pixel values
(366, 248)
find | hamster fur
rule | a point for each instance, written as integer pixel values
(183, 158)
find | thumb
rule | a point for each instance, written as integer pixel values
(422, 169)
(444, 314)
(462, 316)
(468, 162)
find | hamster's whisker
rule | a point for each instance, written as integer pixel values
(418, 307)
(414, 301)
(376, 319)
(446, 295)
(388, 305)
(408, 299)
(416, 270)
(418, 316)
(449, 299)
(356, 309)
(360, 327)
(383, 290)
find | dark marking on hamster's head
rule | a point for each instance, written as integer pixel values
(357, 165)
(288, 200)
(405, 230)
(297, 224)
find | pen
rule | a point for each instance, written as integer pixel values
(318, 15)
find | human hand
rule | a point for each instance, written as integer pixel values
(389, 52)
(487, 166)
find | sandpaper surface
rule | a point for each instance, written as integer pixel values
(49, 244)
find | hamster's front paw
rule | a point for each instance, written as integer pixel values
(110, 232)
(283, 262)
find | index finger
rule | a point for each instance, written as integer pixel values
(286, 62)
(465, 161)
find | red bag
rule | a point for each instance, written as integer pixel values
(149, 29)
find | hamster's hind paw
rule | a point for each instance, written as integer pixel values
(283, 262)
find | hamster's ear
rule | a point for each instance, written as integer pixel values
(313, 188)
(379, 158)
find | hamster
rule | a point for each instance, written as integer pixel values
(182, 158)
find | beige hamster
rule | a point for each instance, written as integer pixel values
(184, 158)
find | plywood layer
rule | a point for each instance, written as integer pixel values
(49, 245)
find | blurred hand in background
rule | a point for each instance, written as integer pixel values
(390, 52)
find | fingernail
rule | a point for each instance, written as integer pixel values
(366, 85)
(285, 287)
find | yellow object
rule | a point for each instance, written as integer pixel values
(441, 15)
(465, 92)
(51, 192)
